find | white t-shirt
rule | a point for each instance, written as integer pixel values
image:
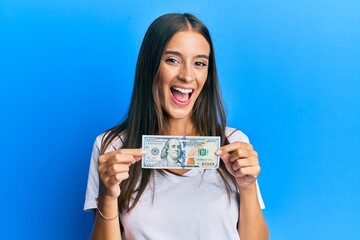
(192, 206)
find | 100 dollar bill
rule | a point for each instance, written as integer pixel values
(182, 152)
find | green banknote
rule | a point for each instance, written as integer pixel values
(182, 152)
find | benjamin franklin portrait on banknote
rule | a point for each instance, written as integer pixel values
(171, 154)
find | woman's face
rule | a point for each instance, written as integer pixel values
(182, 73)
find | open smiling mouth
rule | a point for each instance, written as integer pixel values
(181, 95)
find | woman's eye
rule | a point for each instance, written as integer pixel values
(200, 64)
(171, 60)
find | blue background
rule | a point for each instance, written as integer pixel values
(290, 77)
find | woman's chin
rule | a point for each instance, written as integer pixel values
(178, 115)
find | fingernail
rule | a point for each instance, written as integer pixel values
(218, 152)
(143, 151)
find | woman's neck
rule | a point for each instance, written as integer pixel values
(180, 127)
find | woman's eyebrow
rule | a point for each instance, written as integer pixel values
(169, 52)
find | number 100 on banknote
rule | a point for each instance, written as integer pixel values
(182, 152)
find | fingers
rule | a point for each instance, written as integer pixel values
(244, 162)
(246, 171)
(225, 157)
(117, 178)
(113, 167)
(234, 146)
(237, 150)
(123, 156)
(135, 152)
(240, 159)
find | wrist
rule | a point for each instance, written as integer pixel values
(251, 189)
(107, 207)
(106, 199)
(112, 193)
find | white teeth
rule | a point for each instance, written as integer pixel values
(183, 90)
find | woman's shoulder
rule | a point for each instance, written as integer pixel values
(235, 135)
(115, 144)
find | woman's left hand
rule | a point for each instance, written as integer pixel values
(241, 160)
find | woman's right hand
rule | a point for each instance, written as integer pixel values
(114, 167)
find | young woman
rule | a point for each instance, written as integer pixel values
(176, 92)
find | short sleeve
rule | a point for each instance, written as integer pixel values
(235, 135)
(92, 189)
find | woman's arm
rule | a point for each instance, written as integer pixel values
(252, 224)
(113, 168)
(108, 228)
(242, 162)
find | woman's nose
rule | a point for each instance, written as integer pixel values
(186, 73)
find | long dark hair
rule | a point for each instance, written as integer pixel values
(145, 115)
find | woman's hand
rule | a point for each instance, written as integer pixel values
(114, 167)
(241, 160)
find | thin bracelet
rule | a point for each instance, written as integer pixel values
(102, 215)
